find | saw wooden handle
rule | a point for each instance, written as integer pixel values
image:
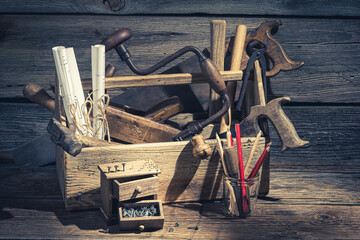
(275, 50)
(283, 126)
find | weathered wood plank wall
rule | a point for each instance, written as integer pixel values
(325, 38)
(325, 108)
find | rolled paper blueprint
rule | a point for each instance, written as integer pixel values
(70, 86)
(98, 87)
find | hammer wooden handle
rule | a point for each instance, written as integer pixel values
(35, 93)
(236, 56)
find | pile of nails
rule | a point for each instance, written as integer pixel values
(139, 212)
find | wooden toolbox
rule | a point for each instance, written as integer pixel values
(183, 177)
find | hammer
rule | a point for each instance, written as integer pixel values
(123, 126)
(72, 143)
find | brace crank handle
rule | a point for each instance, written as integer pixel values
(215, 79)
(116, 39)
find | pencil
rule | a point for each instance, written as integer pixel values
(221, 153)
(258, 164)
(239, 150)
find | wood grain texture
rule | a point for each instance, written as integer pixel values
(21, 122)
(333, 133)
(26, 42)
(309, 8)
(302, 208)
(217, 55)
(183, 177)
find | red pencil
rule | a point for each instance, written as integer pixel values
(239, 150)
(241, 168)
(259, 162)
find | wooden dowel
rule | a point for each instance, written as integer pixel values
(221, 153)
(217, 55)
(233, 206)
(252, 152)
(161, 80)
(231, 161)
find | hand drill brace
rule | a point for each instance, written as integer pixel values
(208, 68)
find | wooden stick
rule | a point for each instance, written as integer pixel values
(252, 152)
(259, 97)
(161, 80)
(258, 85)
(231, 161)
(237, 53)
(229, 138)
(217, 55)
(233, 207)
(221, 153)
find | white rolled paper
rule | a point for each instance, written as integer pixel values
(70, 85)
(98, 86)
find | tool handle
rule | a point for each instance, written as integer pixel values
(116, 38)
(282, 124)
(215, 79)
(236, 56)
(275, 51)
(201, 149)
(35, 93)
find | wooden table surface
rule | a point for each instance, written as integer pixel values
(302, 204)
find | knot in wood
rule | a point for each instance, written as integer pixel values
(115, 5)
